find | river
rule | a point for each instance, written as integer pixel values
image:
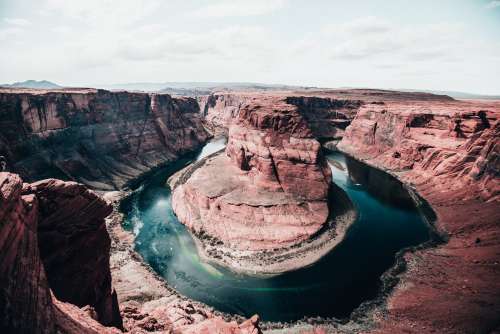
(387, 222)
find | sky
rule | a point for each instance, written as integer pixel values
(419, 44)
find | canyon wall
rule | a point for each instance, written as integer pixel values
(53, 240)
(274, 143)
(55, 269)
(449, 145)
(71, 219)
(25, 299)
(100, 138)
(219, 110)
(326, 115)
(449, 151)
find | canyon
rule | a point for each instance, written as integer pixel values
(445, 150)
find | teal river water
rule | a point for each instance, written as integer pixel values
(333, 287)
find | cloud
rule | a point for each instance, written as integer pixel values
(363, 25)
(232, 8)
(13, 29)
(62, 29)
(167, 45)
(103, 41)
(155, 42)
(372, 38)
(102, 12)
(18, 22)
(493, 4)
(9, 34)
(114, 34)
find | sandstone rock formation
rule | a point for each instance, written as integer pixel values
(52, 239)
(326, 115)
(25, 300)
(96, 137)
(219, 110)
(217, 325)
(449, 152)
(450, 144)
(74, 246)
(269, 189)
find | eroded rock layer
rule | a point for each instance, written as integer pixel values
(327, 115)
(450, 144)
(450, 152)
(74, 246)
(268, 190)
(25, 300)
(53, 239)
(96, 137)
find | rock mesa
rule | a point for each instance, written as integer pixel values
(269, 189)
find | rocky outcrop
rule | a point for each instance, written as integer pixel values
(71, 219)
(25, 299)
(217, 325)
(326, 115)
(271, 176)
(449, 145)
(275, 145)
(52, 239)
(219, 110)
(181, 317)
(100, 138)
(449, 152)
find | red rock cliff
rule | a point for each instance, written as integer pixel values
(52, 239)
(25, 300)
(96, 137)
(276, 146)
(75, 245)
(446, 143)
(326, 115)
(448, 151)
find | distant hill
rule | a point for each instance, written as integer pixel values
(33, 84)
(189, 88)
(456, 95)
(205, 88)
